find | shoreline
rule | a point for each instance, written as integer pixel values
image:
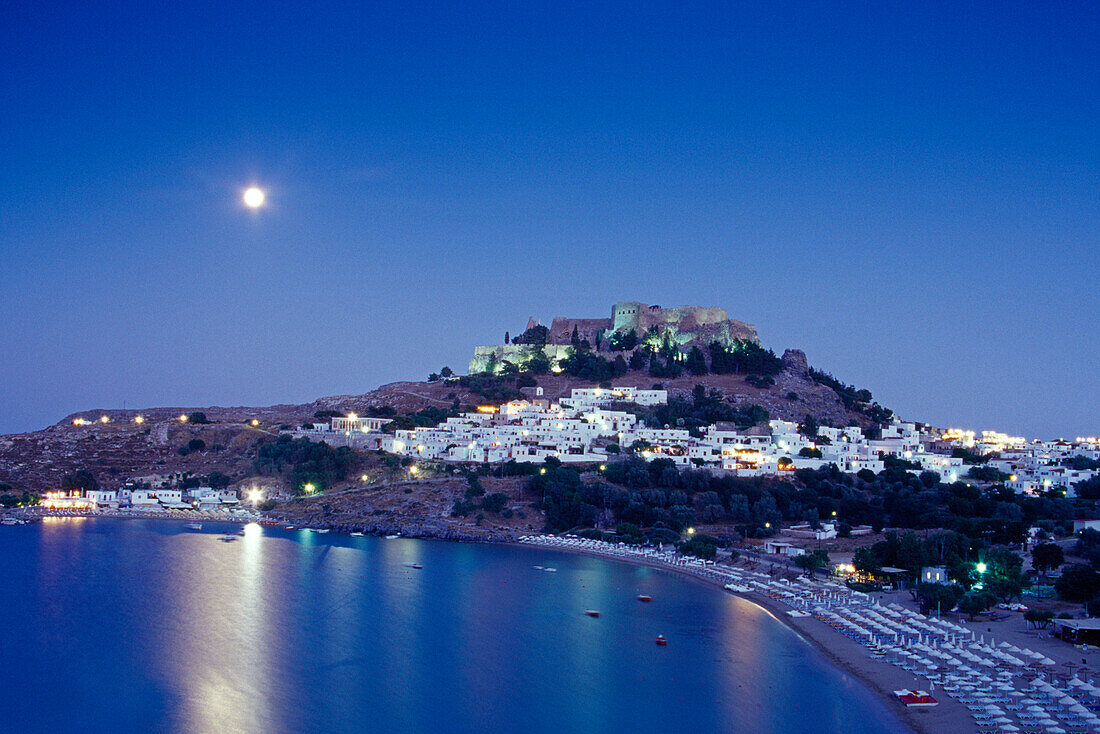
(878, 677)
(873, 675)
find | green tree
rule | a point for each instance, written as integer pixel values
(1039, 618)
(537, 362)
(1046, 557)
(939, 597)
(81, 480)
(1078, 583)
(976, 602)
(866, 561)
(811, 561)
(696, 363)
(217, 480)
(1004, 573)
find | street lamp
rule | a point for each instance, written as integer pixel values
(309, 487)
(980, 568)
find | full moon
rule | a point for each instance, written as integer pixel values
(254, 197)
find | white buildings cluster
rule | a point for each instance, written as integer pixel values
(586, 426)
(1032, 467)
(202, 498)
(582, 427)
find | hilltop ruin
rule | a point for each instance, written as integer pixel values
(631, 325)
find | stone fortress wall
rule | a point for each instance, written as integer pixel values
(687, 326)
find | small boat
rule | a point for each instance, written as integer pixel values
(228, 538)
(538, 568)
(357, 534)
(391, 537)
(916, 698)
(193, 526)
(321, 530)
(643, 597)
(662, 640)
(550, 570)
(592, 612)
(288, 527)
(415, 565)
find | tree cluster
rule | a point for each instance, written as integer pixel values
(303, 462)
(859, 401)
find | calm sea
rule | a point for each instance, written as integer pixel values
(113, 625)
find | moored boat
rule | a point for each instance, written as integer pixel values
(915, 698)
(592, 612)
(662, 640)
(643, 597)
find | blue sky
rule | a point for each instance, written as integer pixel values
(909, 194)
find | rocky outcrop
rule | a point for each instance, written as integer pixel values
(794, 362)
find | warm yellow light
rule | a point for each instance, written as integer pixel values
(309, 488)
(104, 419)
(352, 416)
(691, 531)
(363, 478)
(255, 421)
(255, 495)
(139, 419)
(414, 469)
(183, 419)
(253, 197)
(603, 467)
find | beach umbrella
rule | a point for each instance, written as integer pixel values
(1067, 700)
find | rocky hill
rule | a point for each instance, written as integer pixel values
(122, 448)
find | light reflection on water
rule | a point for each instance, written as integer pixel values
(142, 625)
